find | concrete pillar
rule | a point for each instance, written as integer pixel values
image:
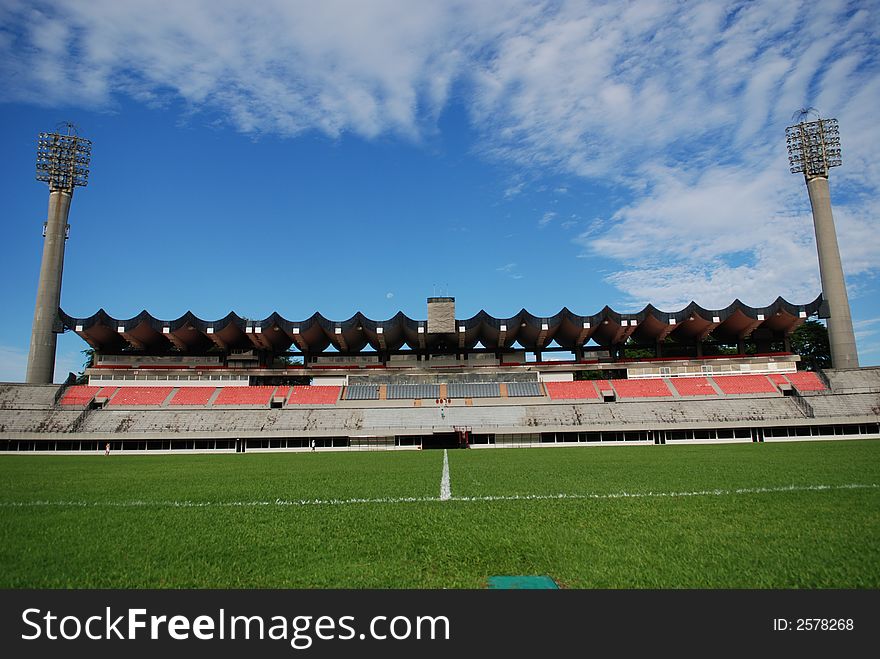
(41, 358)
(840, 327)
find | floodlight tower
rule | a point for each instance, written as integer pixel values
(63, 163)
(813, 148)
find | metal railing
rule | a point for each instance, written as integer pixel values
(79, 421)
(802, 404)
(71, 379)
(824, 378)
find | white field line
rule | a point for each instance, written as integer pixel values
(445, 490)
(281, 503)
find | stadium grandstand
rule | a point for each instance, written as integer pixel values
(230, 386)
(237, 384)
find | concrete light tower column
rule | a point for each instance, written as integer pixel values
(63, 163)
(813, 148)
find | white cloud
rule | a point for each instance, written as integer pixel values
(509, 269)
(683, 104)
(546, 219)
(513, 190)
(280, 67)
(722, 236)
(591, 89)
(587, 87)
(866, 327)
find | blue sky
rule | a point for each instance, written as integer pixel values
(342, 157)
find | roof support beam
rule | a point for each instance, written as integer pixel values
(584, 334)
(339, 337)
(541, 341)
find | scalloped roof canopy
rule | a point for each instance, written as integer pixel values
(315, 334)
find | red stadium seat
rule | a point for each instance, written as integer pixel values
(314, 395)
(745, 384)
(806, 381)
(693, 387)
(244, 396)
(193, 396)
(571, 390)
(137, 396)
(78, 395)
(648, 388)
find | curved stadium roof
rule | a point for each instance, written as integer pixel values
(315, 334)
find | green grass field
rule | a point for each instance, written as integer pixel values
(238, 520)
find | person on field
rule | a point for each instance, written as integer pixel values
(107, 448)
(313, 444)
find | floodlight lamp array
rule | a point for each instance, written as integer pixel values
(813, 147)
(63, 161)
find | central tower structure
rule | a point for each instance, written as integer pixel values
(63, 163)
(813, 148)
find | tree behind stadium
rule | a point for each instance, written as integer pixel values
(810, 341)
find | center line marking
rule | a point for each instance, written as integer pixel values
(445, 490)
